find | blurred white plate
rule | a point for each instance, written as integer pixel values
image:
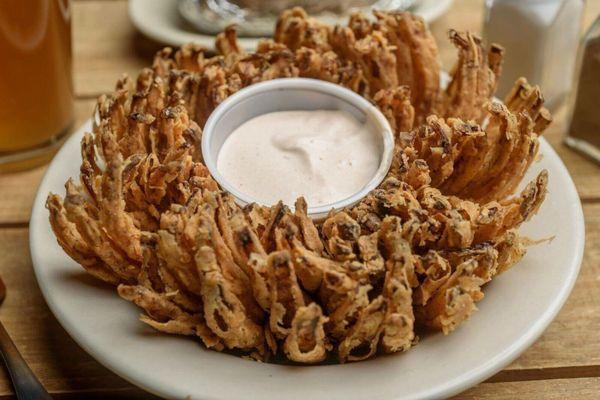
(160, 21)
(518, 306)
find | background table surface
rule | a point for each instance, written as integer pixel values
(563, 363)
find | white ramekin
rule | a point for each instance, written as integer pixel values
(288, 94)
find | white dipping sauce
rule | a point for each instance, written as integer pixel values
(323, 155)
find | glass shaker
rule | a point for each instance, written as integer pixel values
(540, 38)
(584, 129)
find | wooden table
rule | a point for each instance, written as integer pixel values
(563, 363)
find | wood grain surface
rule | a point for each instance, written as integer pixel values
(563, 363)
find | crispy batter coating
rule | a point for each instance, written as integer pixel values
(286, 295)
(167, 317)
(398, 333)
(295, 29)
(363, 338)
(310, 234)
(341, 233)
(226, 44)
(396, 106)
(307, 342)
(473, 78)
(372, 54)
(433, 220)
(454, 302)
(224, 312)
(147, 217)
(74, 244)
(417, 64)
(481, 164)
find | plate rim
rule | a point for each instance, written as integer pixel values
(454, 386)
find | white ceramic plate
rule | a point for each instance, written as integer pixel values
(518, 306)
(160, 20)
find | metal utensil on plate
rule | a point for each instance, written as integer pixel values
(27, 386)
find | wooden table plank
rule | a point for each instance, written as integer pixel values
(568, 347)
(106, 45)
(556, 389)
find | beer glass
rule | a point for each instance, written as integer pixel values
(36, 90)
